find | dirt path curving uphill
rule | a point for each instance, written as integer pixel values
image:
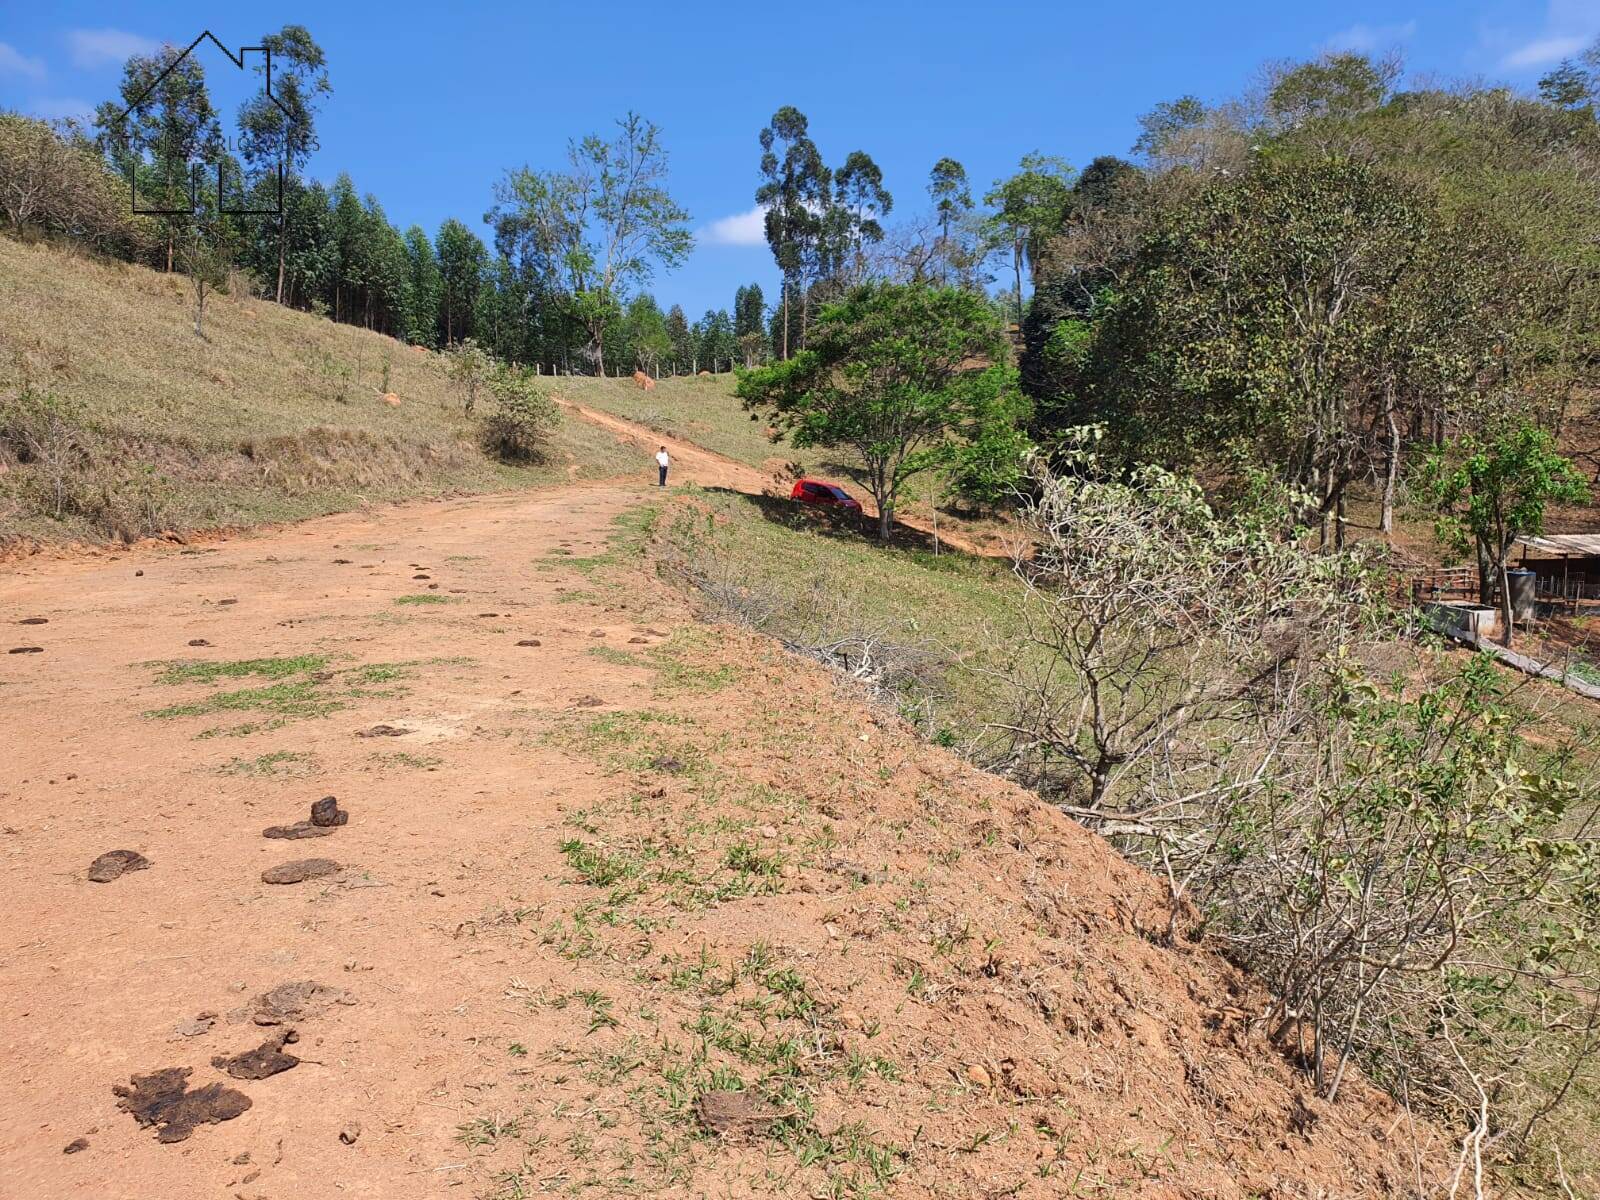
(707, 468)
(622, 903)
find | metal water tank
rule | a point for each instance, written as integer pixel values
(1521, 586)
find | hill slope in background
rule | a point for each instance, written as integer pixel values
(275, 415)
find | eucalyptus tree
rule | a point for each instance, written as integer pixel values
(161, 133)
(794, 192)
(278, 133)
(597, 229)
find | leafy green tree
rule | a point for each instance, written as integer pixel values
(1259, 321)
(173, 127)
(952, 200)
(714, 340)
(1492, 490)
(893, 371)
(749, 323)
(860, 202)
(1333, 87)
(649, 342)
(280, 136)
(462, 259)
(598, 229)
(677, 326)
(422, 313)
(1030, 208)
(794, 192)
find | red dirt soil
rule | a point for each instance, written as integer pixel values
(593, 884)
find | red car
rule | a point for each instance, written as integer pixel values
(814, 491)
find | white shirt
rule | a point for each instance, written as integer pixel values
(662, 459)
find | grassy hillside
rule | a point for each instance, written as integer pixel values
(117, 421)
(700, 409)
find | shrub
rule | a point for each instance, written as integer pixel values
(1415, 884)
(519, 428)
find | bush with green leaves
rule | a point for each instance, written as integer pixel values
(518, 430)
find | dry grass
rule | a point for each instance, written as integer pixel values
(698, 409)
(275, 415)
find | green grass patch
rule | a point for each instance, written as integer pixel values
(266, 668)
(424, 598)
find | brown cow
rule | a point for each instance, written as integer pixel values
(644, 380)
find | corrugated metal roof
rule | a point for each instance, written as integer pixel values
(1586, 545)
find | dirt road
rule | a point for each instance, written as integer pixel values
(94, 978)
(623, 903)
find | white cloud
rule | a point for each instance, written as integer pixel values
(61, 108)
(741, 229)
(1569, 27)
(1541, 52)
(93, 48)
(1362, 39)
(14, 62)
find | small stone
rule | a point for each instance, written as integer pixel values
(831, 930)
(769, 831)
(26, 650)
(195, 1026)
(199, 642)
(114, 863)
(350, 1133)
(34, 621)
(976, 1076)
(530, 642)
(638, 641)
(138, 573)
(326, 812)
(75, 1145)
(300, 870)
(851, 1019)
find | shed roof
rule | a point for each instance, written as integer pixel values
(1572, 545)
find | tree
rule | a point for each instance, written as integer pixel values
(462, 258)
(794, 193)
(1030, 208)
(677, 327)
(1261, 322)
(422, 315)
(862, 202)
(892, 371)
(470, 368)
(952, 200)
(1491, 491)
(52, 179)
(278, 138)
(647, 333)
(161, 132)
(749, 323)
(202, 252)
(598, 229)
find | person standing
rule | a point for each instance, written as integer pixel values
(663, 462)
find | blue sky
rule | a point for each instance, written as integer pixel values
(432, 101)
